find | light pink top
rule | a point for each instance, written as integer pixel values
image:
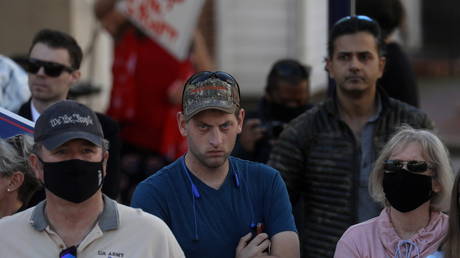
(377, 238)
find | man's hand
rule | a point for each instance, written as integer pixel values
(251, 133)
(252, 248)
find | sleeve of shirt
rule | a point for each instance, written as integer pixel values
(287, 157)
(148, 198)
(162, 241)
(174, 249)
(277, 208)
(346, 247)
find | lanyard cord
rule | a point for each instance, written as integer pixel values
(196, 195)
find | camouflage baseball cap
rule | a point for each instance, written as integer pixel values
(210, 90)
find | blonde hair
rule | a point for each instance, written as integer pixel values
(433, 151)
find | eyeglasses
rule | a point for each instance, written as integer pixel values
(205, 75)
(414, 166)
(52, 69)
(359, 17)
(70, 252)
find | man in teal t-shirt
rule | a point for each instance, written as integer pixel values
(212, 202)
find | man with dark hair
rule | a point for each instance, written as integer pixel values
(76, 220)
(217, 205)
(287, 93)
(53, 67)
(57, 39)
(326, 154)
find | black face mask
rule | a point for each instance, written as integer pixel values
(407, 191)
(73, 180)
(284, 113)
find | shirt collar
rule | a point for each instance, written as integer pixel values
(332, 102)
(109, 219)
(34, 111)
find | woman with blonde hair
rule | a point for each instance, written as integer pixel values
(17, 181)
(412, 179)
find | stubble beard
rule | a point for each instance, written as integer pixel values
(354, 93)
(210, 163)
(46, 96)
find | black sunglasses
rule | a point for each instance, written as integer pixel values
(70, 252)
(205, 75)
(359, 17)
(52, 69)
(414, 166)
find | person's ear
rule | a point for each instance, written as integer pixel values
(182, 124)
(240, 119)
(436, 186)
(382, 62)
(36, 166)
(328, 66)
(16, 180)
(104, 163)
(75, 76)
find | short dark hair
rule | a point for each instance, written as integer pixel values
(352, 25)
(58, 39)
(287, 70)
(388, 13)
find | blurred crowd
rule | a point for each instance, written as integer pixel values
(360, 173)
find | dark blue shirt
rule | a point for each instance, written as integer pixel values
(212, 224)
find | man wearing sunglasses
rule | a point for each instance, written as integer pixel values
(69, 157)
(53, 67)
(215, 204)
(326, 154)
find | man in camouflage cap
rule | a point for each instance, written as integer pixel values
(207, 196)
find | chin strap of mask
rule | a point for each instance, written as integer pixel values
(409, 246)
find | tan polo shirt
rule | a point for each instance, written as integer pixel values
(121, 231)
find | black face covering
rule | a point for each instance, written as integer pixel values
(73, 180)
(407, 191)
(284, 113)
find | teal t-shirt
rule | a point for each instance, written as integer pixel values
(211, 222)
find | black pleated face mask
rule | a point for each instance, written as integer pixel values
(73, 180)
(406, 191)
